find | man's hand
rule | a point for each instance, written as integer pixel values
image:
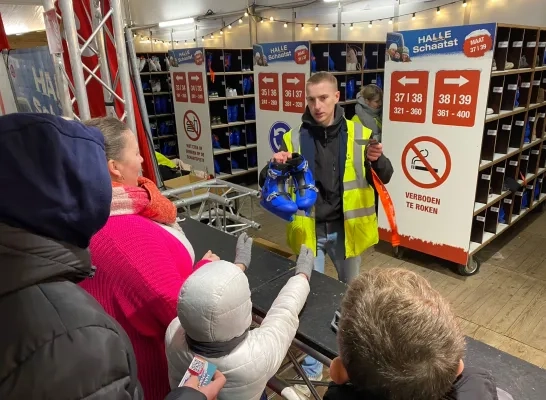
(210, 256)
(212, 390)
(281, 157)
(374, 151)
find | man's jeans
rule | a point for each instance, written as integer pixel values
(331, 241)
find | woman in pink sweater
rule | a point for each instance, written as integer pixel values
(142, 258)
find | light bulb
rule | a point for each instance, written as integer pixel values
(438, 10)
(229, 26)
(316, 27)
(262, 21)
(302, 26)
(246, 14)
(240, 20)
(352, 27)
(464, 3)
(271, 19)
(221, 32)
(390, 21)
(211, 36)
(370, 24)
(413, 17)
(285, 25)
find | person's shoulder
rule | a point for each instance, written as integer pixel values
(131, 231)
(67, 334)
(343, 392)
(473, 384)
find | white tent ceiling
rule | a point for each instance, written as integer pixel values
(22, 17)
(26, 15)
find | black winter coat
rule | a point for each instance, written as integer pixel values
(56, 341)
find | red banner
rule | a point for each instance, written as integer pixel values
(4, 44)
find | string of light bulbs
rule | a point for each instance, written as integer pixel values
(303, 25)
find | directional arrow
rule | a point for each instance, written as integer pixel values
(267, 80)
(408, 81)
(295, 81)
(461, 80)
(179, 78)
(194, 78)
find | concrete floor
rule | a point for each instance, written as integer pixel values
(504, 305)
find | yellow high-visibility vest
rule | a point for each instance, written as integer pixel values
(360, 220)
(162, 160)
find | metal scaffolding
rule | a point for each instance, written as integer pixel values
(96, 42)
(220, 204)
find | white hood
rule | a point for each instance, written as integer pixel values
(214, 303)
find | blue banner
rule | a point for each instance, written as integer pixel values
(268, 53)
(186, 56)
(469, 40)
(33, 77)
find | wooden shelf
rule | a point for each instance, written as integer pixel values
(504, 153)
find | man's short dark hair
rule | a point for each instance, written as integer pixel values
(398, 337)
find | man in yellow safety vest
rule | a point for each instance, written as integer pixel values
(343, 223)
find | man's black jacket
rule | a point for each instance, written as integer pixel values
(472, 384)
(325, 149)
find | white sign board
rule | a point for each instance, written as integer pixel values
(191, 107)
(436, 87)
(280, 72)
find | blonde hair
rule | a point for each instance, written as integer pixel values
(398, 337)
(112, 129)
(322, 77)
(370, 92)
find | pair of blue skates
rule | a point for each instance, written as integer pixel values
(275, 196)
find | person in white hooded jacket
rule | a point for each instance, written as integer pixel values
(214, 317)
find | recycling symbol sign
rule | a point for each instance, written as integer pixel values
(276, 132)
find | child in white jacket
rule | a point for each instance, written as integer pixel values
(214, 317)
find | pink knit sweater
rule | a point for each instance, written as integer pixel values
(140, 270)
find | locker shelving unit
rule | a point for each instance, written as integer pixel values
(513, 144)
(159, 105)
(241, 159)
(369, 68)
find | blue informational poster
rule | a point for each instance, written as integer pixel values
(186, 56)
(32, 74)
(471, 40)
(267, 53)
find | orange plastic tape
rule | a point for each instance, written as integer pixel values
(388, 206)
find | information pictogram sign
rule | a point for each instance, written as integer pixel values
(268, 84)
(293, 92)
(456, 97)
(408, 101)
(197, 90)
(426, 162)
(180, 87)
(192, 125)
(276, 132)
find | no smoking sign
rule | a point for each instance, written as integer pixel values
(426, 162)
(192, 125)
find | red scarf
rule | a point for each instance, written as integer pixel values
(145, 200)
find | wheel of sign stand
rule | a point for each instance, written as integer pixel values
(471, 268)
(398, 252)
